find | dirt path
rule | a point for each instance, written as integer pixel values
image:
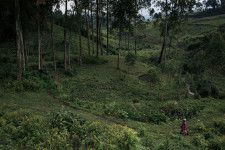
(97, 115)
(82, 110)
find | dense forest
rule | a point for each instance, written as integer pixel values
(112, 74)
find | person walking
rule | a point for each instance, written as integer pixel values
(184, 128)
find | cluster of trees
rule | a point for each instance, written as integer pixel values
(118, 15)
(94, 12)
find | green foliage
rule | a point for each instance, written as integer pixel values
(70, 72)
(215, 144)
(147, 141)
(208, 135)
(216, 51)
(62, 130)
(141, 131)
(220, 126)
(31, 85)
(130, 59)
(171, 67)
(157, 117)
(165, 146)
(200, 127)
(175, 110)
(123, 114)
(93, 60)
(21, 130)
(153, 75)
(200, 142)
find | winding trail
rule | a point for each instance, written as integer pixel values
(100, 116)
(76, 108)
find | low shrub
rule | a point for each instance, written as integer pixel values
(141, 132)
(31, 85)
(200, 142)
(122, 114)
(175, 110)
(93, 60)
(215, 144)
(130, 59)
(70, 72)
(220, 127)
(208, 135)
(147, 142)
(200, 127)
(153, 75)
(157, 117)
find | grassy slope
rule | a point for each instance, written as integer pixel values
(41, 103)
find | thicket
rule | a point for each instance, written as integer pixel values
(62, 130)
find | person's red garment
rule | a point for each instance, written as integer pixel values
(184, 126)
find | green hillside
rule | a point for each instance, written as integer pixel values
(96, 106)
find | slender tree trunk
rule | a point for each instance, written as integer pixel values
(52, 41)
(19, 41)
(118, 62)
(80, 39)
(26, 53)
(25, 50)
(128, 43)
(161, 54)
(88, 33)
(41, 58)
(107, 45)
(92, 27)
(97, 28)
(65, 23)
(69, 47)
(178, 36)
(135, 32)
(23, 55)
(165, 39)
(100, 38)
(165, 36)
(39, 43)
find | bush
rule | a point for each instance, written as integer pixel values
(153, 75)
(215, 53)
(220, 126)
(200, 127)
(147, 142)
(93, 60)
(175, 110)
(31, 85)
(141, 131)
(200, 142)
(123, 114)
(21, 130)
(70, 72)
(130, 59)
(214, 144)
(208, 135)
(157, 117)
(17, 86)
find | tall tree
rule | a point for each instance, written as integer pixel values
(65, 25)
(87, 7)
(52, 37)
(165, 33)
(19, 39)
(107, 24)
(40, 4)
(92, 28)
(79, 7)
(122, 11)
(97, 28)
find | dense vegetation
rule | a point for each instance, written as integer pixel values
(100, 76)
